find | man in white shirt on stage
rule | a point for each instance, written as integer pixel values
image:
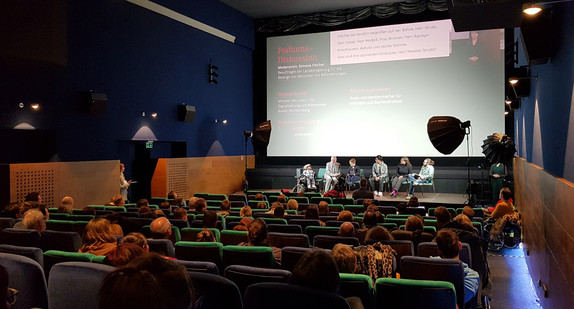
(333, 171)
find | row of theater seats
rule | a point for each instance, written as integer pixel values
(240, 286)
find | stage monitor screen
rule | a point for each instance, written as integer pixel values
(369, 91)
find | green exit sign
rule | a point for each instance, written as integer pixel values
(149, 145)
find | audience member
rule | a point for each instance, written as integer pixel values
(273, 206)
(313, 213)
(210, 220)
(262, 205)
(442, 217)
(179, 202)
(160, 228)
(159, 213)
(378, 233)
(200, 206)
(243, 224)
(292, 204)
(345, 258)
(68, 204)
(369, 222)
(33, 197)
(346, 230)
(33, 220)
(148, 281)
(180, 214)
(258, 236)
(363, 191)
(138, 239)
(13, 210)
(504, 206)
(224, 208)
(317, 269)
(279, 212)
(259, 197)
(345, 215)
(118, 200)
(468, 211)
(98, 238)
(123, 254)
(461, 222)
(282, 199)
(449, 247)
(323, 208)
(88, 211)
(205, 236)
(401, 208)
(413, 202)
(171, 195)
(165, 206)
(142, 202)
(245, 211)
(413, 232)
(114, 219)
(191, 203)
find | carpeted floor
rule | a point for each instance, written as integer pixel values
(512, 285)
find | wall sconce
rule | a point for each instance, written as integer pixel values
(533, 8)
(154, 115)
(35, 106)
(515, 80)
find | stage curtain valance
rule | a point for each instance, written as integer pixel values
(339, 17)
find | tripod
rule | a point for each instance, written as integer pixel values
(471, 199)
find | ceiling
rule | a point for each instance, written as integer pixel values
(258, 9)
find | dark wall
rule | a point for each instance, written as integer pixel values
(142, 61)
(544, 123)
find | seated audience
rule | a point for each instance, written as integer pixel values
(312, 212)
(14, 210)
(282, 199)
(243, 224)
(279, 212)
(345, 215)
(449, 247)
(413, 232)
(401, 208)
(171, 195)
(346, 230)
(67, 204)
(138, 239)
(323, 208)
(160, 228)
(148, 281)
(468, 211)
(273, 206)
(377, 234)
(414, 202)
(245, 211)
(159, 213)
(33, 220)
(345, 258)
(262, 205)
(178, 202)
(98, 238)
(461, 222)
(200, 206)
(142, 202)
(258, 236)
(165, 206)
(368, 202)
(33, 197)
(259, 197)
(363, 191)
(88, 211)
(123, 254)
(504, 206)
(442, 217)
(224, 208)
(210, 220)
(205, 236)
(118, 200)
(369, 222)
(191, 203)
(292, 205)
(180, 214)
(114, 218)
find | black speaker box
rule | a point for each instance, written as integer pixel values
(186, 113)
(97, 103)
(536, 37)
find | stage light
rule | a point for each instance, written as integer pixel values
(224, 121)
(531, 8)
(35, 106)
(21, 105)
(507, 101)
(143, 114)
(515, 80)
(153, 115)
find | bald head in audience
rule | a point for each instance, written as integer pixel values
(160, 228)
(347, 230)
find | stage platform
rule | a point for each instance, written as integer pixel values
(429, 200)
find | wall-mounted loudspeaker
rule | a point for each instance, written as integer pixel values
(186, 113)
(97, 103)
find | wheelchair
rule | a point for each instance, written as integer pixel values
(509, 237)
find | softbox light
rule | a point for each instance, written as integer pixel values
(446, 133)
(498, 148)
(261, 135)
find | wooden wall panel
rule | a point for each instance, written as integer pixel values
(218, 175)
(88, 182)
(548, 234)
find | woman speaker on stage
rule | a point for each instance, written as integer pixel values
(403, 170)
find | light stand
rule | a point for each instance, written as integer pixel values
(247, 135)
(466, 126)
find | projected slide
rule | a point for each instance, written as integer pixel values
(370, 91)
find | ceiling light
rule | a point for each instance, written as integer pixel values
(35, 106)
(531, 9)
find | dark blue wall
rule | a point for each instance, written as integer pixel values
(545, 117)
(142, 61)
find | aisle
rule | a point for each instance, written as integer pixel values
(512, 285)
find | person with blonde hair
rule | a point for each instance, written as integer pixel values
(424, 176)
(245, 211)
(292, 204)
(98, 238)
(34, 220)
